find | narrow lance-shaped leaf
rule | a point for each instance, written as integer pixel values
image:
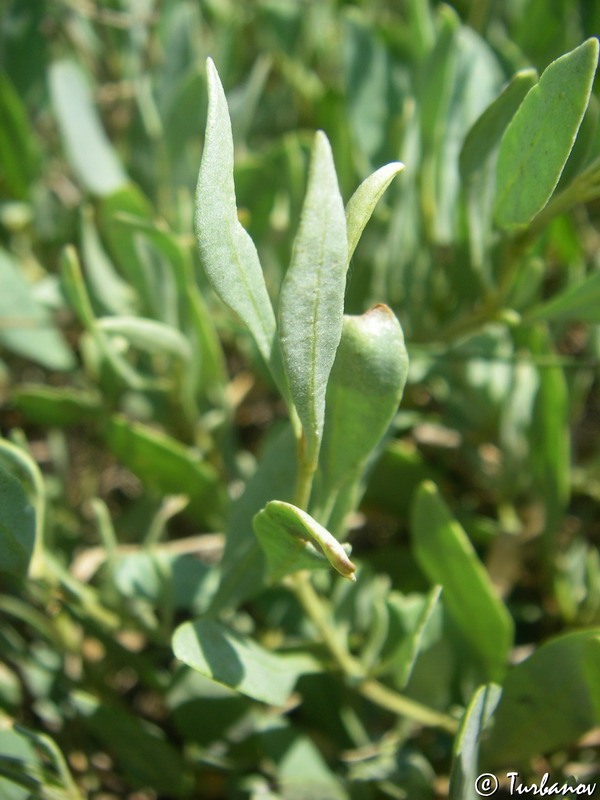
(365, 198)
(298, 526)
(580, 301)
(17, 526)
(365, 388)
(226, 249)
(312, 296)
(486, 132)
(445, 554)
(465, 762)
(89, 151)
(149, 335)
(537, 143)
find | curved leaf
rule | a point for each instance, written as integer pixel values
(279, 519)
(226, 249)
(365, 198)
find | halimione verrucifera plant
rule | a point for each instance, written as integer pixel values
(342, 378)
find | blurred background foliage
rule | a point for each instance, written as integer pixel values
(135, 409)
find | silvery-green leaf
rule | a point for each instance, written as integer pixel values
(149, 335)
(88, 149)
(26, 328)
(365, 388)
(312, 296)
(365, 198)
(226, 249)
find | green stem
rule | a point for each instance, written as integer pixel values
(404, 706)
(379, 694)
(304, 477)
(318, 614)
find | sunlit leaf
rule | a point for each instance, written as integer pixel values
(537, 143)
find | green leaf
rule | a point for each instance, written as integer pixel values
(47, 405)
(448, 558)
(547, 701)
(18, 756)
(408, 653)
(144, 756)
(362, 203)
(121, 240)
(367, 77)
(238, 662)
(167, 466)
(108, 288)
(149, 335)
(311, 305)
(208, 353)
(18, 152)
(550, 439)
(477, 164)
(486, 132)
(17, 526)
(465, 761)
(364, 390)
(287, 534)
(88, 149)
(25, 326)
(579, 302)
(227, 251)
(537, 143)
(302, 771)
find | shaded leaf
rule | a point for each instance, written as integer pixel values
(238, 662)
(53, 406)
(579, 302)
(18, 152)
(144, 756)
(166, 465)
(547, 701)
(17, 526)
(465, 762)
(243, 568)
